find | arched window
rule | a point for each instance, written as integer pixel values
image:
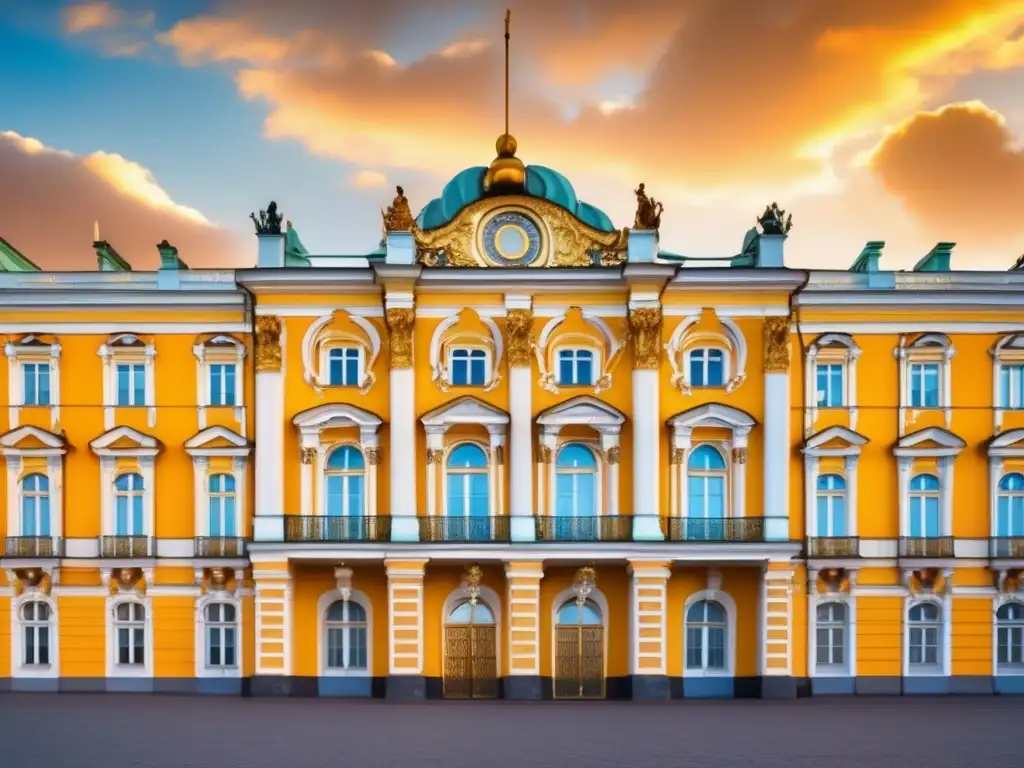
(830, 636)
(706, 483)
(130, 634)
(128, 502)
(925, 628)
(1010, 508)
(35, 506)
(222, 505)
(346, 482)
(467, 482)
(346, 637)
(576, 471)
(924, 506)
(831, 501)
(574, 614)
(707, 367)
(705, 637)
(470, 613)
(35, 623)
(221, 635)
(1010, 638)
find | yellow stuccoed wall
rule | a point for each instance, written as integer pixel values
(83, 636)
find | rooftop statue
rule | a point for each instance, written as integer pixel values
(398, 217)
(269, 221)
(774, 221)
(648, 211)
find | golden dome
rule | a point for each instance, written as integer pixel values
(506, 172)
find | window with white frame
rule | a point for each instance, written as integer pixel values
(346, 482)
(830, 391)
(130, 634)
(346, 631)
(35, 505)
(1010, 639)
(924, 633)
(924, 506)
(1010, 505)
(925, 387)
(1011, 385)
(222, 500)
(468, 482)
(706, 480)
(221, 636)
(36, 628)
(576, 367)
(344, 366)
(131, 384)
(706, 367)
(830, 637)
(575, 481)
(129, 501)
(35, 383)
(831, 506)
(468, 366)
(706, 637)
(222, 383)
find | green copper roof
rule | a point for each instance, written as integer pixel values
(468, 187)
(12, 260)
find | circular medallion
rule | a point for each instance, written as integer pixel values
(511, 239)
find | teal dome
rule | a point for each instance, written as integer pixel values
(468, 187)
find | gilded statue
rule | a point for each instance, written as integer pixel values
(269, 221)
(645, 331)
(774, 221)
(648, 211)
(400, 322)
(268, 343)
(398, 216)
(776, 344)
(519, 330)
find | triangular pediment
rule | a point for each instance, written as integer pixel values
(465, 410)
(125, 440)
(582, 410)
(1008, 443)
(217, 440)
(29, 438)
(713, 415)
(331, 415)
(930, 440)
(836, 437)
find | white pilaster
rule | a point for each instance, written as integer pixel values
(546, 472)
(610, 448)
(995, 471)
(202, 509)
(268, 525)
(147, 467)
(307, 454)
(739, 481)
(946, 494)
(496, 471)
(904, 464)
(55, 472)
(404, 526)
(776, 455)
(851, 495)
(435, 445)
(520, 394)
(646, 422)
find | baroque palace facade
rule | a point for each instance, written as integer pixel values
(513, 453)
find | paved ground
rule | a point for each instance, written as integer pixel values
(135, 731)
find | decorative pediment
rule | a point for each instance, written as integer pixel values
(1009, 443)
(218, 441)
(32, 441)
(931, 441)
(125, 441)
(835, 440)
(713, 415)
(334, 415)
(583, 410)
(465, 410)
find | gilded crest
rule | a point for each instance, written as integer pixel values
(268, 343)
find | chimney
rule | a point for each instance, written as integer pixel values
(109, 260)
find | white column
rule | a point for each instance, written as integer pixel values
(995, 471)
(946, 494)
(903, 486)
(108, 465)
(683, 443)
(610, 449)
(371, 452)
(776, 429)
(497, 470)
(739, 478)
(268, 523)
(148, 470)
(546, 471)
(519, 333)
(435, 450)
(645, 323)
(202, 510)
(13, 505)
(240, 464)
(55, 471)
(810, 494)
(307, 457)
(400, 319)
(851, 495)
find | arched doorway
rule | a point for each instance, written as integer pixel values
(470, 652)
(579, 651)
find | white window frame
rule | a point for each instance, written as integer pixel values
(595, 365)
(928, 348)
(814, 452)
(127, 348)
(948, 447)
(238, 450)
(1009, 350)
(831, 349)
(202, 666)
(53, 454)
(18, 666)
(219, 350)
(325, 363)
(818, 393)
(830, 495)
(849, 666)
(114, 669)
(224, 390)
(942, 668)
(37, 371)
(345, 473)
(144, 455)
(705, 628)
(723, 450)
(705, 348)
(487, 361)
(323, 604)
(30, 349)
(487, 471)
(997, 669)
(727, 602)
(599, 475)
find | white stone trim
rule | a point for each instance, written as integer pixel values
(1008, 350)
(15, 468)
(944, 605)
(926, 348)
(998, 601)
(606, 350)
(216, 344)
(815, 600)
(325, 601)
(201, 668)
(113, 668)
(725, 600)
(735, 362)
(440, 365)
(112, 354)
(315, 376)
(849, 363)
(18, 668)
(16, 352)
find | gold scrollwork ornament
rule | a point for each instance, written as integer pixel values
(645, 330)
(400, 323)
(268, 343)
(519, 329)
(776, 344)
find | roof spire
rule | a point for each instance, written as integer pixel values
(506, 173)
(508, 22)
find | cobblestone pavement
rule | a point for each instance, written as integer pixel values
(135, 731)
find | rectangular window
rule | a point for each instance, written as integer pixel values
(707, 368)
(830, 646)
(131, 384)
(343, 367)
(924, 516)
(1011, 386)
(36, 377)
(924, 646)
(469, 367)
(830, 385)
(924, 385)
(37, 645)
(575, 367)
(1010, 515)
(222, 384)
(129, 516)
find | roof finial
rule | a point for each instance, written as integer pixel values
(508, 22)
(507, 173)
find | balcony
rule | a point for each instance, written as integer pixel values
(833, 546)
(464, 529)
(1006, 547)
(126, 546)
(34, 546)
(601, 528)
(219, 546)
(331, 528)
(716, 529)
(926, 546)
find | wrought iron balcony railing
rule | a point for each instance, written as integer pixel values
(219, 546)
(926, 546)
(126, 546)
(833, 546)
(1006, 547)
(34, 546)
(716, 529)
(465, 529)
(337, 528)
(596, 528)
